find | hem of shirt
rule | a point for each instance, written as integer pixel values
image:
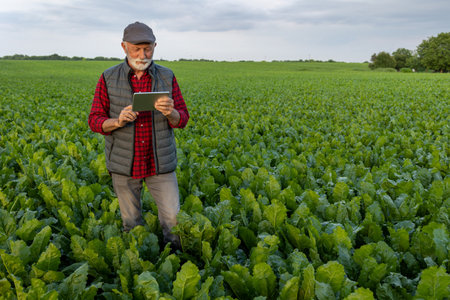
(142, 176)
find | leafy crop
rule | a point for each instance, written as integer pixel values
(297, 181)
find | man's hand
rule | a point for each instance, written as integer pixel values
(126, 116)
(164, 105)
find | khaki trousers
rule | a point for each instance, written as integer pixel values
(163, 188)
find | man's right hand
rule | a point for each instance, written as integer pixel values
(127, 115)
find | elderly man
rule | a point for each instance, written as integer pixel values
(140, 146)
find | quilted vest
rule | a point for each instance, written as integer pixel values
(119, 146)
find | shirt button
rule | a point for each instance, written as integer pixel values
(142, 125)
(143, 142)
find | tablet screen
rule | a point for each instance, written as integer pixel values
(146, 101)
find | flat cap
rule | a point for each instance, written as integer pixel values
(138, 33)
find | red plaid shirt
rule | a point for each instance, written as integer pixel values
(144, 162)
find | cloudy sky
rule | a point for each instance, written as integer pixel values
(342, 30)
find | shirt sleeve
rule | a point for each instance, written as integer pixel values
(100, 107)
(179, 105)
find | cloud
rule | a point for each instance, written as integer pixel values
(225, 29)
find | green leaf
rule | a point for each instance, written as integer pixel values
(50, 259)
(48, 196)
(73, 286)
(361, 294)
(193, 230)
(434, 284)
(248, 236)
(14, 265)
(192, 204)
(7, 223)
(264, 280)
(204, 293)
(362, 253)
(297, 261)
(53, 276)
(146, 286)
(207, 252)
(323, 291)
(227, 242)
(208, 186)
(272, 188)
(240, 281)
(69, 192)
(248, 200)
(368, 188)
(332, 273)
(86, 195)
(275, 213)
(28, 230)
(78, 244)
(20, 249)
(219, 214)
(247, 176)
(40, 242)
(439, 234)
(341, 238)
(18, 284)
(340, 192)
(185, 285)
(399, 239)
(298, 239)
(170, 266)
(308, 284)
(114, 251)
(290, 289)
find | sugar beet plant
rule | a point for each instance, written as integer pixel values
(297, 181)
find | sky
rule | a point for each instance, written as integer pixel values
(341, 30)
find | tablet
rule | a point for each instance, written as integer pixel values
(146, 101)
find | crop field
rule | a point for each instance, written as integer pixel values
(297, 181)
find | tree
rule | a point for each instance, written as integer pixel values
(382, 60)
(401, 57)
(434, 53)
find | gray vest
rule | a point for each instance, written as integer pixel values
(119, 146)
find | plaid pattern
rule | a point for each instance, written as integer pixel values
(144, 162)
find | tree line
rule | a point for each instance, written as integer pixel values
(54, 57)
(432, 54)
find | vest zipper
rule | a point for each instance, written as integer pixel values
(155, 152)
(134, 127)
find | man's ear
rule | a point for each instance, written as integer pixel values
(124, 47)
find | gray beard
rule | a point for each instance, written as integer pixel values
(138, 66)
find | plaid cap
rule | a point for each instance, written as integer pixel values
(138, 33)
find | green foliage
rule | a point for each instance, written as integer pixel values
(402, 57)
(297, 181)
(185, 286)
(434, 52)
(382, 60)
(434, 284)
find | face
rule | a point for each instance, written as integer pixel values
(139, 56)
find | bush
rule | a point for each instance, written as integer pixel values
(406, 70)
(385, 70)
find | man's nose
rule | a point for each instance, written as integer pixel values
(142, 54)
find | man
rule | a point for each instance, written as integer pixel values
(140, 146)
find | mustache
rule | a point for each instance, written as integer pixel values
(145, 60)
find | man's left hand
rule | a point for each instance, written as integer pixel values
(165, 105)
